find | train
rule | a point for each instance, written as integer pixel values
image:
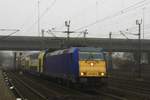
(74, 64)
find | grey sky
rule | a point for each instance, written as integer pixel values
(21, 14)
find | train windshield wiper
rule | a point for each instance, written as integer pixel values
(90, 57)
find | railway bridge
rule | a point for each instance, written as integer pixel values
(17, 43)
(39, 43)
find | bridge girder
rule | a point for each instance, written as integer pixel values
(40, 43)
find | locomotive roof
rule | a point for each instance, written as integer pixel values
(58, 52)
(71, 50)
(88, 49)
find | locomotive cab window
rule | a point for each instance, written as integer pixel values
(91, 56)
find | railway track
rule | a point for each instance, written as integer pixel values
(25, 90)
(52, 85)
(138, 89)
(97, 95)
(139, 83)
(34, 89)
(102, 95)
(111, 95)
(11, 86)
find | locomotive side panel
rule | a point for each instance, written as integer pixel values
(59, 66)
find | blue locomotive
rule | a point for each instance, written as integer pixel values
(75, 64)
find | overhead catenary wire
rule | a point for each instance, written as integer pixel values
(45, 11)
(143, 21)
(42, 15)
(79, 35)
(111, 16)
(6, 36)
(132, 28)
(129, 32)
(62, 26)
(8, 29)
(130, 8)
(147, 26)
(54, 3)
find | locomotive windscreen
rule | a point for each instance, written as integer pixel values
(91, 56)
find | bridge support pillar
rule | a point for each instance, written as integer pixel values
(135, 56)
(14, 60)
(145, 58)
(148, 57)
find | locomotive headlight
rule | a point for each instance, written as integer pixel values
(102, 74)
(92, 64)
(82, 73)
